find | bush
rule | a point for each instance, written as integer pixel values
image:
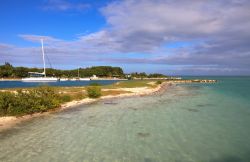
(79, 96)
(95, 84)
(29, 101)
(65, 98)
(6, 101)
(158, 82)
(94, 91)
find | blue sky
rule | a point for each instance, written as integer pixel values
(185, 37)
(33, 17)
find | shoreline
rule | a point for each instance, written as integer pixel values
(7, 122)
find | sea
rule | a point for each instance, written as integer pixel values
(187, 123)
(20, 84)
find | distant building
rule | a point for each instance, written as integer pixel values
(94, 77)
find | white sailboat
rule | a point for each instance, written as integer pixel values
(40, 77)
(85, 79)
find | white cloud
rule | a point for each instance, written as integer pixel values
(219, 28)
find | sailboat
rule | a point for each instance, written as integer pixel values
(40, 77)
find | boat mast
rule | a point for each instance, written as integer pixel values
(44, 70)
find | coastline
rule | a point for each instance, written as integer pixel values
(14, 79)
(68, 79)
(10, 121)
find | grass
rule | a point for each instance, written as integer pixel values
(77, 93)
(131, 84)
(114, 92)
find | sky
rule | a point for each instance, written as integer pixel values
(184, 37)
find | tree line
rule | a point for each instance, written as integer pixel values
(9, 71)
(144, 75)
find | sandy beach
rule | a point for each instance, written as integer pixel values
(9, 121)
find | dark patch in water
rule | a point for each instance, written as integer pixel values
(132, 108)
(140, 134)
(63, 118)
(204, 105)
(193, 87)
(148, 160)
(92, 125)
(135, 122)
(1, 125)
(110, 103)
(193, 110)
(92, 116)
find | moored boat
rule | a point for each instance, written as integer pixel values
(40, 77)
(84, 79)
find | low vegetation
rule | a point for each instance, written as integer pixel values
(29, 101)
(114, 92)
(22, 101)
(94, 91)
(95, 84)
(158, 82)
(131, 84)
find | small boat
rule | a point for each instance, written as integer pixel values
(40, 77)
(64, 79)
(84, 79)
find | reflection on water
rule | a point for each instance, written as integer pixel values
(185, 124)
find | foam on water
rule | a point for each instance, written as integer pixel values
(188, 123)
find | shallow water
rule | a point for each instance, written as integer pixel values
(188, 123)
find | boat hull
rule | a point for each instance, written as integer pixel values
(63, 79)
(40, 79)
(84, 79)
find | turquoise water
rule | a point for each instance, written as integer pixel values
(19, 84)
(188, 123)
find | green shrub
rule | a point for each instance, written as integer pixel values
(29, 101)
(94, 84)
(65, 98)
(94, 91)
(79, 96)
(158, 82)
(7, 100)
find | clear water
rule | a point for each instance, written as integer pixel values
(18, 84)
(188, 123)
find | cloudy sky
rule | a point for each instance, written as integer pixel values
(177, 37)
